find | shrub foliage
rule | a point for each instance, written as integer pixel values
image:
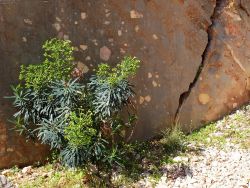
(80, 119)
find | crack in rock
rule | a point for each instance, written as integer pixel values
(183, 97)
(244, 8)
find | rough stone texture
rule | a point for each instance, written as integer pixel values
(224, 83)
(22, 31)
(169, 37)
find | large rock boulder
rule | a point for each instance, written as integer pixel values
(224, 82)
(170, 37)
(23, 29)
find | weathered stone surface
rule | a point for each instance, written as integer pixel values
(15, 26)
(169, 37)
(224, 81)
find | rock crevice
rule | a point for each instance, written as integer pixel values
(183, 97)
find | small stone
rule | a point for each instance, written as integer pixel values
(215, 163)
(19, 175)
(236, 156)
(6, 172)
(180, 159)
(27, 170)
(3, 180)
(48, 174)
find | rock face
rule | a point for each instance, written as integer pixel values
(224, 82)
(170, 38)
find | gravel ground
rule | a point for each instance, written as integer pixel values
(213, 168)
(213, 165)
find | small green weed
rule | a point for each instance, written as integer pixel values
(173, 140)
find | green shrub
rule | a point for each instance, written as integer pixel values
(80, 130)
(173, 139)
(123, 70)
(82, 121)
(57, 65)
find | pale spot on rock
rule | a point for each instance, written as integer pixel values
(147, 98)
(119, 32)
(248, 83)
(58, 19)
(122, 51)
(83, 47)
(235, 105)
(57, 26)
(108, 14)
(24, 39)
(83, 15)
(141, 100)
(105, 53)
(10, 149)
(66, 37)
(107, 22)
(150, 75)
(111, 40)
(95, 42)
(154, 83)
(155, 37)
(204, 98)
(135, 14)
(27, 21)
(88, 58)
(137, 28)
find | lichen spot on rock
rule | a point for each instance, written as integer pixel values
(27, 21)
(83, 15)
(150, 75)
(141, 100)
(83, 47)
(134, 14)
(57, 26)
(147, 98)
(105, 53)
(155, 37)
(204, 98)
